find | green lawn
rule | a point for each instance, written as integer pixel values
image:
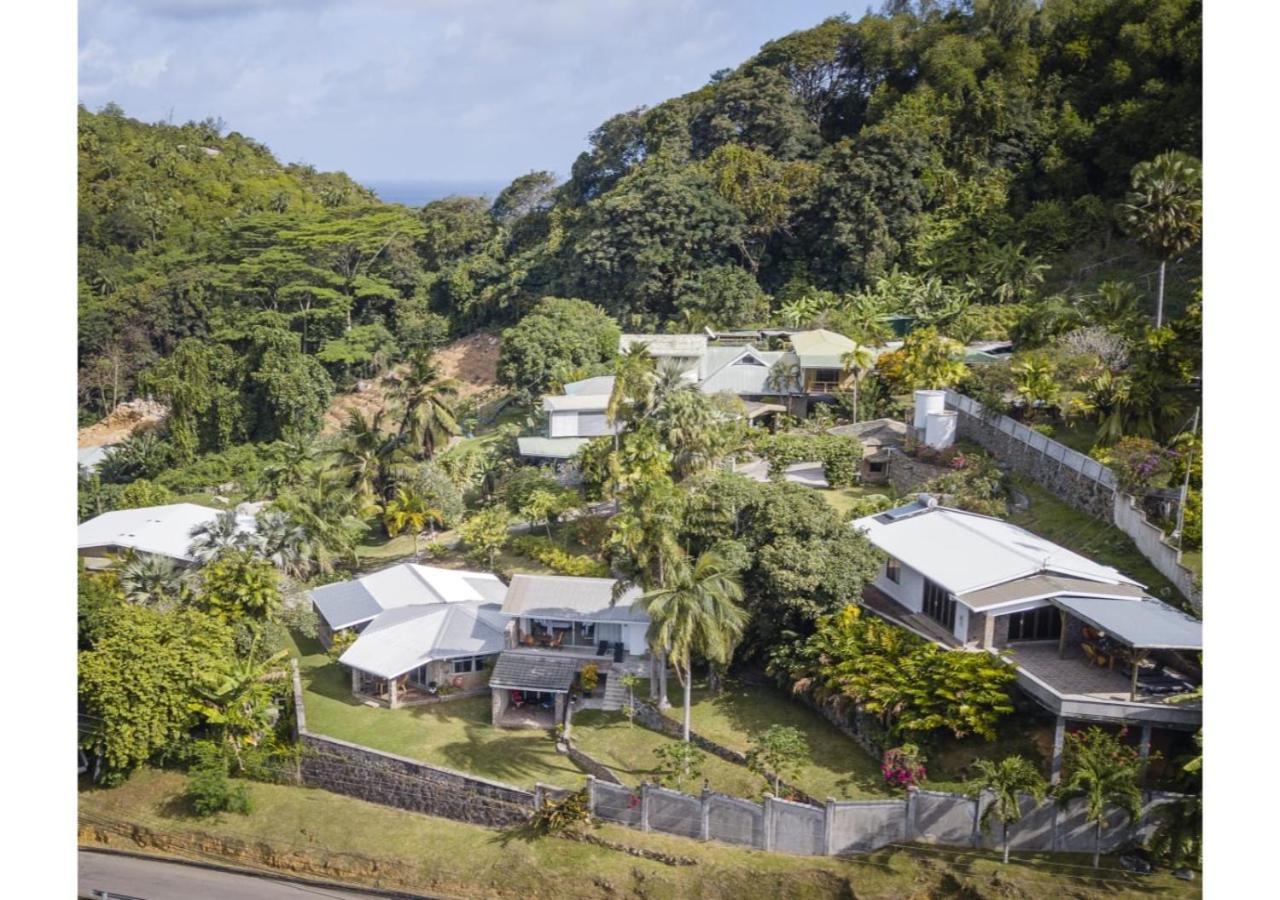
(313, 832)
(841, 499)
(837, 767)
(457, 734)
(1063, 524)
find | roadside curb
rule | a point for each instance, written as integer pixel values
(258, 873)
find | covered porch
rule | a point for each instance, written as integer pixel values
(603, 640)
(530, 689)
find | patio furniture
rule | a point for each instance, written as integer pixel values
(618, 652)
(602, 648)
(557, 641)
(528, 640)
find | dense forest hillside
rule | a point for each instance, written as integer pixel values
(962, 163)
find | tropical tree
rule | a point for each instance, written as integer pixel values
(237, 698)
(696, 611)
(679, 764)
(149, 579)
(217, 536)
(857, 364)
(784, 376)
(930, 360)
(543, 505)
(237, 585)
(425, 400)
(634, 374)
(331, 514)
(408, 511)
(372, 456)
(1035, 380)
(1010, 273)
(283, 542)
(779, 752)
(1163, 210)
(1006, 781)
(1103, 772)
(486, 532)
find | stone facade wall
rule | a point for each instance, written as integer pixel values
(591, 765)
(1073, 488)
(908, 475)
(390, 780)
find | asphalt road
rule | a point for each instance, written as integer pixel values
(154, 880)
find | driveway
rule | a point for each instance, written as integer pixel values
(808, 474)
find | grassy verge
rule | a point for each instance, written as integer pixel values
(458, 734)
(1051, 518)
(382, 847)
(842, 499)
(837, 767)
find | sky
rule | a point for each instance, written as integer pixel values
(418, 89)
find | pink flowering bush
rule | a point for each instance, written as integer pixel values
(903, 766)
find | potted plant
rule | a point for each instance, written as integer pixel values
(589, 677)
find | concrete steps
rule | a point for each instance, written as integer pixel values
(615, 693)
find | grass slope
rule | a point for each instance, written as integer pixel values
(441, 857)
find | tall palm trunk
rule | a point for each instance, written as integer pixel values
(1097, 843)
(663, 701)
(688, 695)
(1004, 827)
(1160, 295)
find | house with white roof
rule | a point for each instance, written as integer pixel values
(1087, 641)
(158, 530)
(573, 418)
(422, 631)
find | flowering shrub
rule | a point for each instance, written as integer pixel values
(1141, 464)
(903, 766)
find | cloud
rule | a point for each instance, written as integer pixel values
(429, 89)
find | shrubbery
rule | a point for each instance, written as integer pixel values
(562, 562)
(839, 455)
(209, 790)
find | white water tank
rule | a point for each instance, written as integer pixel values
(940, 429)
(928, 402)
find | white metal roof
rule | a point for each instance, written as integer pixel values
(601, 384)
(575, 402)
(537, 447)
(350, 602)
(667, 344)
(162, 530)
(739, 370)
(402, 639)
(1145, 623)
(568, 597)
(964, 551)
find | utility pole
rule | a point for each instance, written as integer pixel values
(1186, 482)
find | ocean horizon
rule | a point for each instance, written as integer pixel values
(419, 193)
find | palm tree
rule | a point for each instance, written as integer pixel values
(331, 514)
(1010, 273)
(284, 543)
(148, 579)
(1114, 305)
(1163, 210)
(1106, 398)
(1006, 781)
(425, 399)
(857, 363)
(1103, 772)
(1035, 381)
(292, 461)
(784, 376)
(238, 698)
(696, 611)
(408, 510)
(222, 533)
(633, 382)
(371, 455)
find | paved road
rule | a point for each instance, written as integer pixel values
(153, 880)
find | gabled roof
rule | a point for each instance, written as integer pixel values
(1039, 587)
(348, 603)
(964, 551)
(821, 349)
(738, 370)
(523, 670)
(874, 432)
(566, 597)
(402, 639)
(91, 457)
(575, 402)
(162, 530)
(601, 384)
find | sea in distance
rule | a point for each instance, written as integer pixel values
(418, 193)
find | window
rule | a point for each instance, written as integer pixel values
(465, 664)
(893, 570)
(1043, 624)
(875, 467)
(748, 361)
(939, 605)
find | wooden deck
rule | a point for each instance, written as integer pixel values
(1075, 677)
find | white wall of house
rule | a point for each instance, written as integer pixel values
(635, 636)
(909, 589)
(961, 628)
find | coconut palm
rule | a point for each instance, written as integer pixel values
(213, 537)
(148, 579)
(372, 456)
(784, 376)
(633, 382)
(696, 611)
(409, 511)
(291, 461)
(857, 363)
(1011, 274)
(331, 514)
(425, 399)
(1102, 772)
(1006, 781)
(1163, 210)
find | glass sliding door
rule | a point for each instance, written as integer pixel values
(939, 605)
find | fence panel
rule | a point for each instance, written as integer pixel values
(615, 803)
(943, 818)
(675, 813)
(1150, 818)
(735, 821)
(797, 828)
(1032, 832)
(860, 827)
(1076, 832)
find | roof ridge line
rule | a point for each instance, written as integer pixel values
(1044, 563)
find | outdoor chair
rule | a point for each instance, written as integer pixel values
(557, 640)
(618, 652)
(602, 648)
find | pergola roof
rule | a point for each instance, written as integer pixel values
(1145, 624)
(533, 671)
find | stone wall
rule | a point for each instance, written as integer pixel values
(591, 766)
(1064, 482)
(908, 474)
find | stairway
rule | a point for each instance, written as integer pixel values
(615, 692)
